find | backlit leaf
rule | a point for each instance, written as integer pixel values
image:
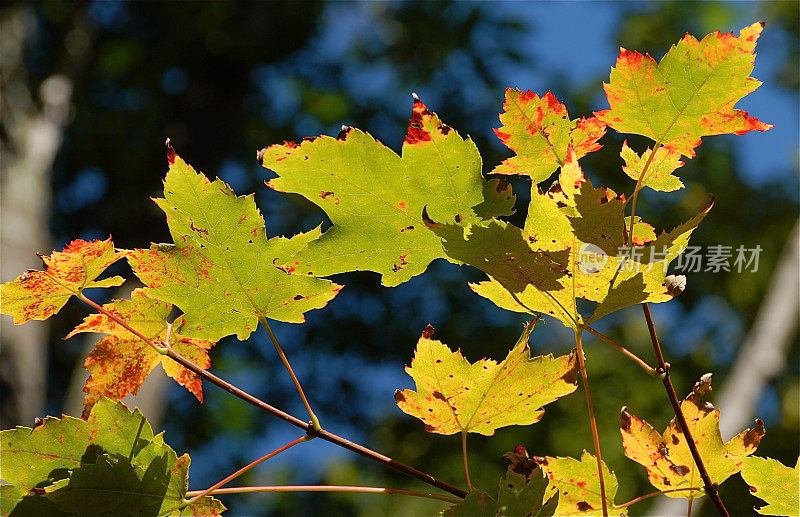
(37, 295)
(691, 93)
(775, 483)
(223, 272)
(573, 246)
(454, 395)
(375, 198)
(540, 132)
(517, 495)
(109, 463)
(659, 173)
(578, 485)
(121, 361)
(666, 456)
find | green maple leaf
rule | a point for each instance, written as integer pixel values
(517, 495)
(121, 362)
(109, 463)
(375, 198)
(573, 246)
(540, 132)
(453, 395)
(578, 485)
(37, 295)
(659, 173)
(689, 94)
(775, 483)
(666, 456)
(223, 272)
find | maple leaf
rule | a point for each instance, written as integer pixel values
(578, 485)
(454, 395)
(517, 495)
(37, 295)
(775, 483)
(573, 245)
(539, 131)
(121, 362)
(691, 93)
(666, 456)
(109, 463)
(223, 272)
(659, 173)
(375, 198)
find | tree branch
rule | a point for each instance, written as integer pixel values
(709, 487)
(308, 427)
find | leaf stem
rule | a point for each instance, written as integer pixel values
(314, 420)
(653, 494)
(161, 349)
(709, 487)
(464, 454)
(638, 187)
(307, 427)
(333, 488)
(652, 372)
(244, 469)
(592, 422)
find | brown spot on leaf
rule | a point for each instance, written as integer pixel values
(343, 133)
(260, 156)
(298, 297)
(428, 332)
(438, 395)
(399, 397)
(407, 229)
(325, 193)
(675, 440)
(680, 470)
(430, 223)
(584, 506)
(170, 154)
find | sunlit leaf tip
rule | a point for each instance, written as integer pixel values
(691, 93)
(539, 131)
(453, 395)
(121, 361)
(37, 295)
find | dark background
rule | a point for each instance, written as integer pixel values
(223, 80)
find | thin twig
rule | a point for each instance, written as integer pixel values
(295, 380)
(709, 487)
(464, 454)
(653, 494)
(638, 187)
(307, 427)
(646, 367)
(332, 488)
(592, 423)
(244, 469)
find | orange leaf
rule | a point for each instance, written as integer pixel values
(120, 362)
(37, 295)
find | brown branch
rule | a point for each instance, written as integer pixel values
(646, 367)
(653, 494)
(330, 488)
(252, 464)
(709, 487)
(592, 422)
(308, 427)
